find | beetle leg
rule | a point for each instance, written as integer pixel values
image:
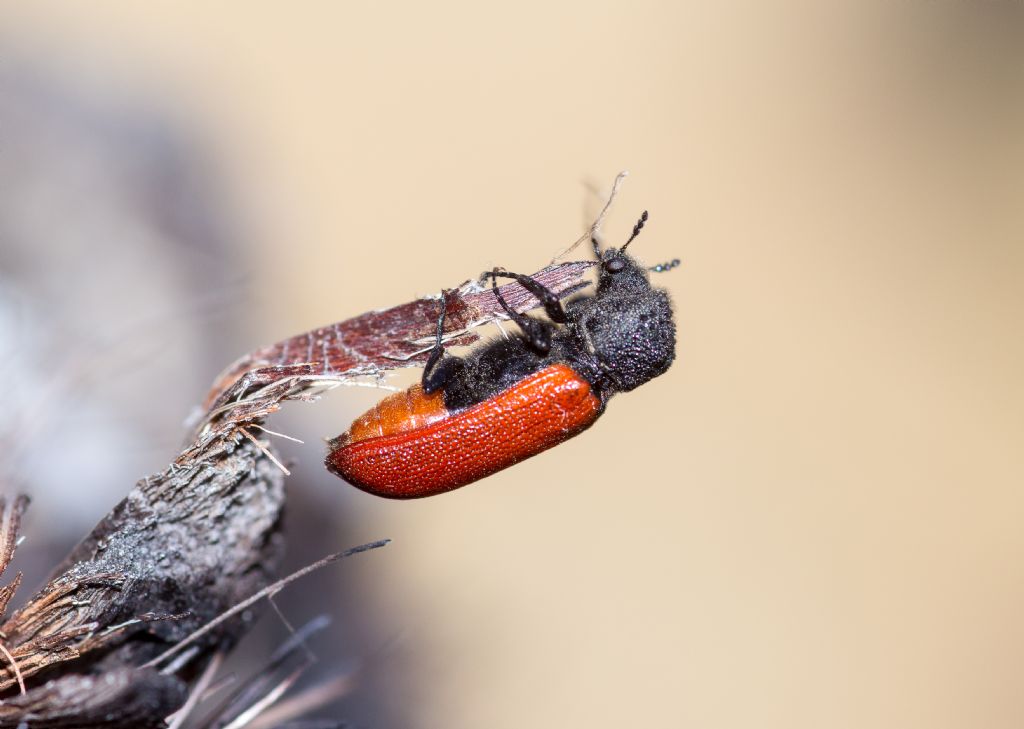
(548, 298)
(436, 372)
(538, 335)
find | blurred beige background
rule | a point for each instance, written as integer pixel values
(813, 520)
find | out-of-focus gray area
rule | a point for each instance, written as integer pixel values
(121, 275)
(114, 283)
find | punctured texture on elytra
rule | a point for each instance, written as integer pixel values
(541, 411)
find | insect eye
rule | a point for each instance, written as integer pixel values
(614, 265)
(591, 324)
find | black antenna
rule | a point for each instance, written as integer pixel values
(636, 230)
(662, 267)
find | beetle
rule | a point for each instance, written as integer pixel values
(517, 396)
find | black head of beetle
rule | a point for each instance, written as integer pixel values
(618, 337)
(624, 335)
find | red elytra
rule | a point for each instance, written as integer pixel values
(409, 446)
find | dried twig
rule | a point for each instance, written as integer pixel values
(367, 346)
(302, 703)
(178, 719)
(14, 667)
(261, 690)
